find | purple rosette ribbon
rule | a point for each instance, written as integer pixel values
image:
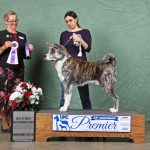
(13, 56)
(27, 52)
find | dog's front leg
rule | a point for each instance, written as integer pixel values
(67, 98)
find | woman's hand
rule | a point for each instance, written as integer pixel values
(7, 44)
(76, 37)
(31, 47)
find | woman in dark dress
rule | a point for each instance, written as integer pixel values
(78, 42)
(12, 53)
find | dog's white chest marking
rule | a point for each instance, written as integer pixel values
(58, 67)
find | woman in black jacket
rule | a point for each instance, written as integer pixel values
(12, 53)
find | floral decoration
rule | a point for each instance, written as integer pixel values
(26, 96)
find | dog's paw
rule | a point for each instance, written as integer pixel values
(63, 109)
(113, 110)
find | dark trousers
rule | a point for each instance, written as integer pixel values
(84, 96)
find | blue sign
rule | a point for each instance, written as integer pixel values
(96, 123)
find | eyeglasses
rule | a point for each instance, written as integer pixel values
(13, 21)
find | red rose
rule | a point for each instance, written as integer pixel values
(23, 84)
(28, 94)
(13, 104)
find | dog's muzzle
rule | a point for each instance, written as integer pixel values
(45, 57)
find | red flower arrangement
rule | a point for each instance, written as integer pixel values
(25, 97)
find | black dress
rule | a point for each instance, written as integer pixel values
(10, 75)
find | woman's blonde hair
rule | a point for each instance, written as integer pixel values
(9, 13)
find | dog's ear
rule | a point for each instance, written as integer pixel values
(50, 45)
(62, 46)
(57, 45)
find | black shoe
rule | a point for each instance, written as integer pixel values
(5, 130)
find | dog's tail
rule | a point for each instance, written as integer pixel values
(109, 58)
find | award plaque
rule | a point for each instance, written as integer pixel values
(23, 126)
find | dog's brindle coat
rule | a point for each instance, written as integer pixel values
(75, 72)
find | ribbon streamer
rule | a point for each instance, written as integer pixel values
(80, 50)
(27, 50)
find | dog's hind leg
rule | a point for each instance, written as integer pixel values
(107, 81)
(110, 91)
(115, 101)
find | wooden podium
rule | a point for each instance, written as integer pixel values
(44, 126)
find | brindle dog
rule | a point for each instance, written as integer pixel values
(75, 72)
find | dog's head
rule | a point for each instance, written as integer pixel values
(56, 52)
